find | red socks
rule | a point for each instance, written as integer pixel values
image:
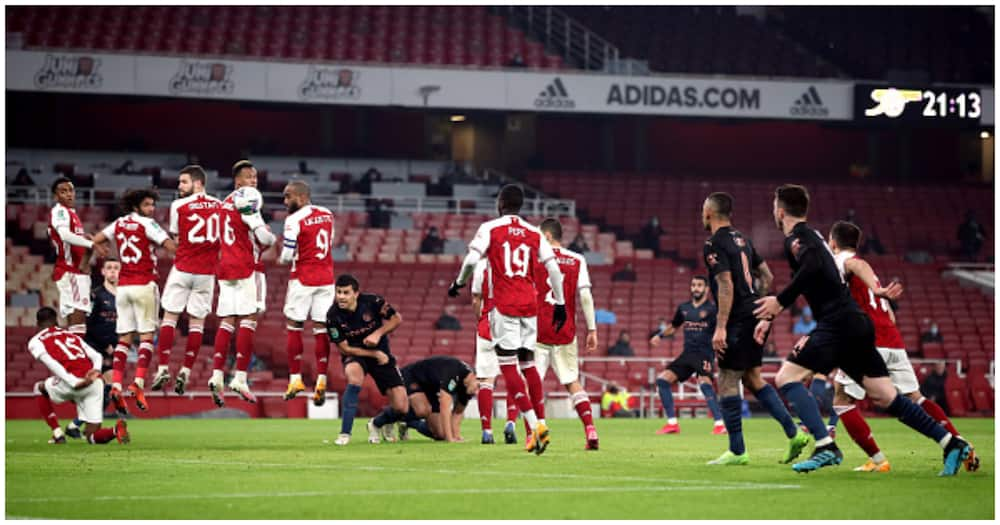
(145, 356)
(512, 410)
(581, 402)
(47, 410)
(534, 384)
(119, 359)
(244, 344)
(222, 338)
(937, 414)
(193, 346)
(485, 399)
(512, 378)
(322, 350)
(166, 342)
(102, 436)
(293, 340)
(859, 430)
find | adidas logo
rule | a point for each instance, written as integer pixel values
(809, 105)
(555, 96)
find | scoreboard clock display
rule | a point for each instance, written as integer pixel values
(888, 103)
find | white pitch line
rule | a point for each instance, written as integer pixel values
(378, 468)
(396, 492)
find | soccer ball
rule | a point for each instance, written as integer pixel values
(247, 200)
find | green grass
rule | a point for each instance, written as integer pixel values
(282, 469)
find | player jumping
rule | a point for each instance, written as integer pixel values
(512, 245)
(137, 301)
(730, 257)
(844, 338)
(72, 249)
(307, 241)
(869, 294)
(240, 288)
(697, 316)
(194, 223)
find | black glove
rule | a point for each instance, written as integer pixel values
(559, 316)
(454, 288)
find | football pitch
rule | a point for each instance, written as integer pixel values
(284, 469)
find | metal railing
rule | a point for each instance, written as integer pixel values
(337, 203)
(649, 397)
(559, 32)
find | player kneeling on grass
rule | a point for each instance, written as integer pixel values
(359, 324)
(76, 377)
(439, 388)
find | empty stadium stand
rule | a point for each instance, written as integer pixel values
(428, 35)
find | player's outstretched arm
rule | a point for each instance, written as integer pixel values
(864, 271)
(809, 264)
(468, 267)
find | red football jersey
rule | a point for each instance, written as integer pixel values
(195, 221)
(239, 251)
(309, 231)
(511, 246)
(68, 257)
(137, 238)
(480, 276)
(65, 347)
(575, 277)
(886, 333)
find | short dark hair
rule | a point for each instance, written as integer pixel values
(196, 172)
(511, 198)
(348, 280)
(846, 234)
(133, 198)
(723, 203)
(110, 258)
(794, 199)
(300, 187)
(240, 165)
(46, 315)
(60, 180)
(700, 277)
(552, 226)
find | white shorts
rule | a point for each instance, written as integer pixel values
(261, 282)
(189, 292)
(512, 333)
(308, 301)
(89, 401)
(138, 308)
(238, 297)
(900, 371)
(487, 365)
(74, 293)
(562, 358)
